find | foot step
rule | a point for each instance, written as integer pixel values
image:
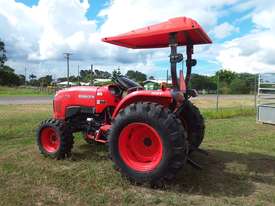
(202, 151)
(195, 149)
(194, 164)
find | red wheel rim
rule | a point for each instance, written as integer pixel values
(140, 147)
(50, 140)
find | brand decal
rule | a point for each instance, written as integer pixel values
(156, 93)
(84, 96)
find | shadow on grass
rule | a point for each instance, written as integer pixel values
(225, 174)
(93, 152)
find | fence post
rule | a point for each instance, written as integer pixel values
(255, 92)
(218, 88)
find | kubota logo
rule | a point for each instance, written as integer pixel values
(83, 96)
(156, 93)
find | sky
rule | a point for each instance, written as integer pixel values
(38, 32)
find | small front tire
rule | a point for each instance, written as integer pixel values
(54, 139)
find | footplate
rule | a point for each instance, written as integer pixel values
(192, 162)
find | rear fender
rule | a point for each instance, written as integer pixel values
(157, 96)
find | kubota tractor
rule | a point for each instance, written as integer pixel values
(150, 134)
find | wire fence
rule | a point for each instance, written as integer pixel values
(218, 102)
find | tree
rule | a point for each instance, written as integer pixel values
(226, 76)
(45, 81)
(22, 79)
(151, 78)
(136, 75)
(73, 79)
(244, 83)
(62, 79)
(116, 73)
(8, 77)
(201, 82)
(3, 57)
(32, 76)
(238, 86)
(7, 69)
(225, 79)
(102, 74)
(34, 82)
(250, 80)
(85, 75)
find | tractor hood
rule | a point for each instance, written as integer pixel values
(157, 36)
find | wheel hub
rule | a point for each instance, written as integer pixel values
(53, 139)
(147, 141)
(140, 147)
(50, 140)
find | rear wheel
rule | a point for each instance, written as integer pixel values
(140, 146)
(193, 122)
(54, 140)
(147, 143)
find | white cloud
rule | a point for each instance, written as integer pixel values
(42, 33)
(265, 19)
(255, 51)
(122, 15)
(223, 30)
(45, 31)
(252, 53)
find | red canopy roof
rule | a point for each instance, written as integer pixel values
(157, 36)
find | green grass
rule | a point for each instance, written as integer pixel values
(230, 112)
(240, 168)
(22, 91)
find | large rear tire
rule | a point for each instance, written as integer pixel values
(148, 143)
(54, 139)
(193, 122)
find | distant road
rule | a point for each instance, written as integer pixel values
(25, 100)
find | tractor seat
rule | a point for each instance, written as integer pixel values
(128, 84)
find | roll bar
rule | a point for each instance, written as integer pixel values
(178, 57)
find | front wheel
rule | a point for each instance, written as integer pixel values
(147, 143)
(53, 139)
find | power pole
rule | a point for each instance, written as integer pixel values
(67, 56)
(78, 77)
(218, 92)
(92, 80)
(25, 75)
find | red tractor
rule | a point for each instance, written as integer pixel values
(150, 134)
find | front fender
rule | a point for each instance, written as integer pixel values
(164, 98)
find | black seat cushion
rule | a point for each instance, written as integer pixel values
(127, 83)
